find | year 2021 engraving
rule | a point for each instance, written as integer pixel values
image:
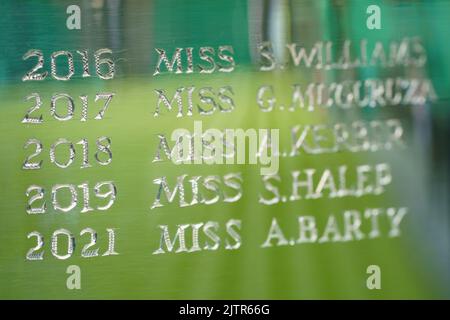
(88, 251)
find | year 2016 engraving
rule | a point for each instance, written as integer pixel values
(104, 66)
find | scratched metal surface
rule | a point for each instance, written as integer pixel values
(414, 265)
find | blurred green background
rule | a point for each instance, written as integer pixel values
(415, 265)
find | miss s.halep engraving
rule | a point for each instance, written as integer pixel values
(331, 183)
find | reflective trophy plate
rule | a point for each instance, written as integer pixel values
(224, 149)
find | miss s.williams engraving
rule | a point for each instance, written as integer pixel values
(408, 52)
(310, 183)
